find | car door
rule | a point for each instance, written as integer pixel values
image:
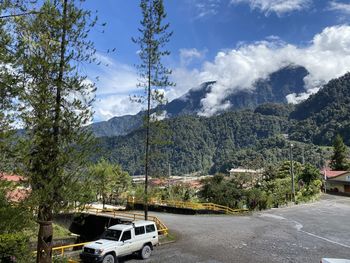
(127, 245)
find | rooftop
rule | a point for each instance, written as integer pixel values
(333, 174)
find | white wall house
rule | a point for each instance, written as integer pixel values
(338, 181)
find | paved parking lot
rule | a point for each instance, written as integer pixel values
(303, 233)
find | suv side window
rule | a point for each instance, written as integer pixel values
(150, 228)
(139, 230)
(126, 235)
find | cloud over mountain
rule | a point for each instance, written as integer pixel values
(327, 56)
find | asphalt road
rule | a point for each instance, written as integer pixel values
(303, 233)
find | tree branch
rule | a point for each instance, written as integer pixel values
(22, 14)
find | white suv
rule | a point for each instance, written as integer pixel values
(120, 240)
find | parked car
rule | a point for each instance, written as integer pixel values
(121, 240)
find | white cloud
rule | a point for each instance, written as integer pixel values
(279, 7)
(297, 98)
(205, 8)
(114, 77)
(116, 81)
(189, 55)
(185, 80)
(114, 105)
(326, 57)
(340, 7)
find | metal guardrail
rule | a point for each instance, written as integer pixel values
(190, 205)
(162, 228)
(62, 249)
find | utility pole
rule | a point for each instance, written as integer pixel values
(292, 172)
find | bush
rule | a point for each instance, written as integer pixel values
(14, 247)
(258, 199)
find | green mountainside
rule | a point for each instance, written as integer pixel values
(252, 139)
(325, 114)
(241, 138)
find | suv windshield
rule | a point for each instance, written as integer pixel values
(111, 234)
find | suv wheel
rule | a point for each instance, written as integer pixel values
(146, 252)
(109, 259)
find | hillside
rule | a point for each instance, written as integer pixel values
(241, 138)
(274, 89)
(324, 114)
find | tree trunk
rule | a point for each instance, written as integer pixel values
(45, 234)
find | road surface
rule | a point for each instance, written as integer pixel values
(303, 233)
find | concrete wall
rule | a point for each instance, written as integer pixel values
(332, 185)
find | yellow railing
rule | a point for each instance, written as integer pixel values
(60, 251)
(162, 228)
(63, 248)
(190, 205)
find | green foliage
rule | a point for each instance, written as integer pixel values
(272, 190)
(274, 109)
(220, 190)
(14, 247)
(56, 102)
(325, 114)
(179, 192)
(109, 181)
(15, 221)
(284, 170)
(14, 217)
(211, 145)
(339, 158)
(153, 76)
(258, 199)
(309, 174)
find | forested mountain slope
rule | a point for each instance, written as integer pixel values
(324, 114)
(241, 138)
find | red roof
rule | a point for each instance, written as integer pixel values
(332, 174)
(11, 178)
(17, 195)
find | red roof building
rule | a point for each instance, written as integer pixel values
(337, 181)
(19, 192)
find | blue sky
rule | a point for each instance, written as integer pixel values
(236, 41)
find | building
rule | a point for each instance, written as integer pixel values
(235, 171)
(19, 190)
(337, 181)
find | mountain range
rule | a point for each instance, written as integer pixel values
(275, 88)
(251, 135)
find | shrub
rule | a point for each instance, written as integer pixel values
(14, 247)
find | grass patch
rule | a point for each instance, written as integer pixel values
(171, 237)
(58, 232)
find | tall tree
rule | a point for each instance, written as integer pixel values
(154, 76)
(339, 158)
(56, 103)
(8, 87)
(109, 180)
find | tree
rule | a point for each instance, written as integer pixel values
(56, 104)
(154, 76)
(309, 173)
(339, 158)
(8, 88)
(109, 180)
